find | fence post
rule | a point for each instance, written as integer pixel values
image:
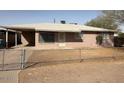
(22, 58)
(24, 51)
(3, 59)
(80, 55)
(115, 53)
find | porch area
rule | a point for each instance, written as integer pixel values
(9, 38)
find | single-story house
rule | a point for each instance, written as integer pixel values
(50, 35)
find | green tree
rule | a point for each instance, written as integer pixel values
(99, 39)
(103, 22)
(116, 15)
(121, 35)
(108, 19)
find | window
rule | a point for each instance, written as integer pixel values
(47, 37)
(105, 36)
(78, 35)
(61, 37)
(1, 32)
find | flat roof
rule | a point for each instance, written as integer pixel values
(10, 30)
(56, 27)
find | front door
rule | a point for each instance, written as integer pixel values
(61, 37)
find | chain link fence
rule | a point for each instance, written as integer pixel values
(13, 59)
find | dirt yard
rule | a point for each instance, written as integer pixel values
(47, 65)
(93, 70)
(96, 72)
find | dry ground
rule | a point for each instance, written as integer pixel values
(93, 70)
(90, 71)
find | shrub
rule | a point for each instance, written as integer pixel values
(121, 35)
(118, 41)
(99, 39)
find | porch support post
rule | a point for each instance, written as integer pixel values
(15, 38)
(36, 38)
(7, 38)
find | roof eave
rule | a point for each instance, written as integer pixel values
(114, 31)
(53, 30)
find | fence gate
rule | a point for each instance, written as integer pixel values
(11, 59)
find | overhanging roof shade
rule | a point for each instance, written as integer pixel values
(4, 29)
(57, 28)
(1, 28)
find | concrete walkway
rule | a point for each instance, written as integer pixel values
(9, 76)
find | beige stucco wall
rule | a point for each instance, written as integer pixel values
(88, 40)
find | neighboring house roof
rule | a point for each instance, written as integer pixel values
(57, 27)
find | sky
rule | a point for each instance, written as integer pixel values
(46, 16)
